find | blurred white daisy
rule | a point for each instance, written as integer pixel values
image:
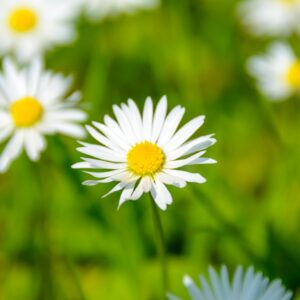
(277, 72)
(99, 9)
(246, 285)
(33, 103)
(271, 17)
(30, 27)
(144, 151)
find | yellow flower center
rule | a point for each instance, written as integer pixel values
(145, 159)
(293, 75)
(26, 112)
(288, 2)
(22, 20)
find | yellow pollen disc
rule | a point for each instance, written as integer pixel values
(26, 112)
(288, 2)
(145, 159)
(293, 75)
(22, 20)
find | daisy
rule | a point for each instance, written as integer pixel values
(271, 17)
(30, 27)
(33, 104)
(246, 285)
(277, 72)
(99, 9)
(143, 151)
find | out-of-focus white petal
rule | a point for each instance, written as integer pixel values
(245, 286)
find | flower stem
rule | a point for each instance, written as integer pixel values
(161, 246)
(44, 258)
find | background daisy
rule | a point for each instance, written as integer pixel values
(271, 17)
(33, 103)
(246, 285)
(277, 72)
(98, 9)
(30, 27)
(144, 151)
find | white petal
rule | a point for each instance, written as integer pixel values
(126, 194)
(5, 132)
(131, 118)
(70, 129)
(124, 123)
(34, 143)
(192, 288)
(12, 150)
(102, 153)
(105, 174)
(70, 114)
(137, 118)
(237, 283)
(171, 123)
(225, 282)
(183, 162)
(192, 146)
(184, 133)
(159, 118)
(161, 195)
(206, 289)
(113, 132)
(102, 139)
(34, 76)
(147, 119)
(146, 184)
(215, 282)
(172, 297)
(187, 176)
(116, 188)
(169, 179)
(82, 165)
(139, 189)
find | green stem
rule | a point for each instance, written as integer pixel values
(270, 120)
(229, 227)
(45, 259)
(161, 246)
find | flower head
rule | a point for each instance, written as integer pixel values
(30, 27)
(277, 72)
(33, 103)
(271, 17)
(246, 285)
(99, 9)
(144, 151)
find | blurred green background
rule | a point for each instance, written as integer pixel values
(60, 240)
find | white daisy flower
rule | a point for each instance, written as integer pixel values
(271, 17)
(99, 9)
(30, 27)
(277, 72)
(143, 151)
(246, 285)
(33, 104)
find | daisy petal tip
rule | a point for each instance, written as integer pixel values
(164, 98)
(187, 280)
(90, 183)
(87, 127)
(164, 208)
(76, 166)
(120, 204)
(149, 100)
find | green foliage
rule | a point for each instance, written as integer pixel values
(60, 240)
